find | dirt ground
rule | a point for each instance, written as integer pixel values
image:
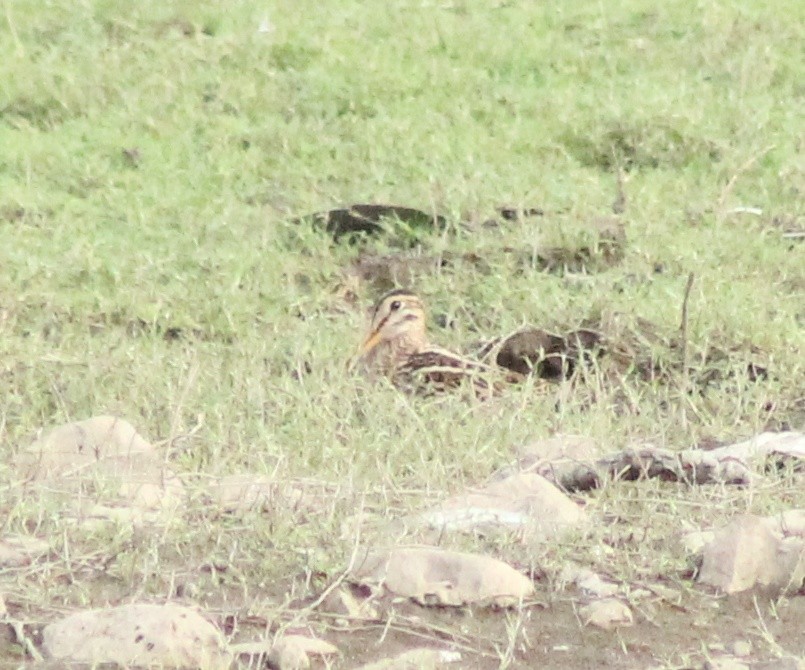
(552, 635)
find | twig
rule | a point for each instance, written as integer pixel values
(683, 325)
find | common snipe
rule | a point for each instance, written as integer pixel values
(397, 346)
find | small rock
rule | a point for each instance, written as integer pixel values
(525, 501)
(596, 587)
(292, 652)
(608, 613)
(746, 553)
(666, 593)
(433, 576)
(586, 580)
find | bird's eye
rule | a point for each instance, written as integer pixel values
(395, 305)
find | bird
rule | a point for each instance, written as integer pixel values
(397, 346)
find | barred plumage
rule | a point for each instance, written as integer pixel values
(397, 346)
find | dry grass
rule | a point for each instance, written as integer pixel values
(154, 159)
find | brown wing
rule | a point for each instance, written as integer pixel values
(434, 370)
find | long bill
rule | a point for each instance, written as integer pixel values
(371, 341)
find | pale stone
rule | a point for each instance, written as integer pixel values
(433, 576)
(73, 447)
(169, 635)
(791, 564)
(586, 580)
(746, 553)
(101, 465)
(608, 613)
(594, 586)
(290, 652)
(525, 502)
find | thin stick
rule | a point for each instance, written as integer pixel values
(683, 326)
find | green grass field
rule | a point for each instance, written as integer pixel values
(154, 158)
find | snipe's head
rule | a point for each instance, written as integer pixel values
(397, 327)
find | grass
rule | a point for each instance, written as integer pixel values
(155, 155)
